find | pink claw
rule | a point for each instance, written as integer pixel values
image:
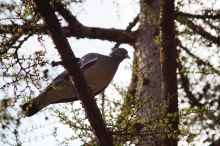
(91, 87)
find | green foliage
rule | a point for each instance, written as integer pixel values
(198, 82)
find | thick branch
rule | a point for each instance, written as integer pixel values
(76, 75)
(115, 35)
(76, 29)
(199, 30)
(81, 31)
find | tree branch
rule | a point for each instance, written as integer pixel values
(129, 27)
(185, 84)
(14, 38)
(76, 29)
(199, 30)
(76, 75)
(81, 31)
(115, 35)
(204, 16)
(199, 60)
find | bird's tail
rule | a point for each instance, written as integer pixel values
(32, 107)
(29, 109)
(50, 97)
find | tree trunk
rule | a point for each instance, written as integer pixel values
(149, 77)
(153, 73)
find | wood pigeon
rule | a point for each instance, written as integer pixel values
(98, 70)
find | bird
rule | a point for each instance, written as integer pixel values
(98, 70)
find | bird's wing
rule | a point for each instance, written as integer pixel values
(60, 78)
(88, 60)
(84, 62)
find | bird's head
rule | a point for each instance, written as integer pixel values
(120, 54)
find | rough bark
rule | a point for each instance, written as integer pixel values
(157, 67)
(76, 75)
(149, 76)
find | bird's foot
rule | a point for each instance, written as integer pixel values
(91, 87)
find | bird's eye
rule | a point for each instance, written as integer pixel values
(120, 52)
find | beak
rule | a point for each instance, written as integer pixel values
(127, 56)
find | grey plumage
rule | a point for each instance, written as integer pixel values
(98, 70)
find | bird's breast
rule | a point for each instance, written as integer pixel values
(98, 76)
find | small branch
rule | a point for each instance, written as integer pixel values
(7, 29)
(185, 84)
(200, 61)
(129, 27)
(204, 16)
(133, 23)
(56, 63)
(199, 30)
(137, 134)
